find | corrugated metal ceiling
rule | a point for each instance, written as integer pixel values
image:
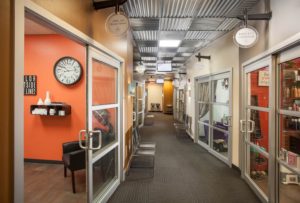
(195, 22)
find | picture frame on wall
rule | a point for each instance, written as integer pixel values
(263, 78)
(30, 84)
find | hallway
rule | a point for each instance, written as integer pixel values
(184, 173)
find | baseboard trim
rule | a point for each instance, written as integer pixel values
(236, 168)
(42, 161)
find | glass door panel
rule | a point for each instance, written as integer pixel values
(259, 124)
(289, 126)
(203, 133)
(104, 171)
(104, 83)
(204, 92)
(204, 114)
(255, 128)
(289, 189)
(289, 136)
(257, 169)
(220, 141)
(140, 105)
(258, 87)
(106, 121)
(221, 91)
(220, 116)
(290, 85)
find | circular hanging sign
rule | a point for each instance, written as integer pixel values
(246, 37)
(117, 24)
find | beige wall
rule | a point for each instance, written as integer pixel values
(285, 20)
(224, 55)
(6, 101)
(155, 92)
(82, 16)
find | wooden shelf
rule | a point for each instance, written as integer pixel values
(52, 109)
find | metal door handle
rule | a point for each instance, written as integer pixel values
(252, 126)
(134, 116)
(91, 133)
(242, 123)
(82, 134)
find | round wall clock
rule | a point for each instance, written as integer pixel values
(67, 70)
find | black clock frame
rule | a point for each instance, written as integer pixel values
(63, 58)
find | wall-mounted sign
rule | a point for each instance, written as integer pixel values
(117, 24)
(263, 78)
(29, 84)
(246, 37)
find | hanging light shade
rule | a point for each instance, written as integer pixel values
(140, 68)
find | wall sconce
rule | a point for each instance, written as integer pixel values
(199, 57)
(225, 83)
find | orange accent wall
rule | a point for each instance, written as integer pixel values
(44, 135)
(168, 94)
(262, 95)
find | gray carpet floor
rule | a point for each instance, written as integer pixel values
(184, 173)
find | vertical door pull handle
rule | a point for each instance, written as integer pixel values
(81, 136)
(242, 125)
(252, 126)
(91, 133)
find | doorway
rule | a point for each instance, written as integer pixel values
(213, 119)
(100, 113)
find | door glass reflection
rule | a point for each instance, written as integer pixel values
(104, 171)
(221, 91)
(105, 120)
(220, 141)
(104, 79)
(289, 139)
(258, 169)
(258, 87)
(289, 189)
(260, 134)
(203, 133)
(290, 85)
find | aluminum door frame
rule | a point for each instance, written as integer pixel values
(209, 78)
(269, 62)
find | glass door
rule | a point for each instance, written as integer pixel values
(257, 127)
(103, 165)
(140, 102)
(214, 113)
(221, 115)
(203, 111)
(288, 126)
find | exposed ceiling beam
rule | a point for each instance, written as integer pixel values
(107, 4)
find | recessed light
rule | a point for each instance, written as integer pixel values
(169, 43)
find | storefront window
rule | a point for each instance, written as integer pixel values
(290, 85)
(258, 87)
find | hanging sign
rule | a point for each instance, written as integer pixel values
(246, 37)
(117, 24)
(29, 84)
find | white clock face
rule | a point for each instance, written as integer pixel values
(67, 70)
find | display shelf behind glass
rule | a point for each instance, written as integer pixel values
(54, 109)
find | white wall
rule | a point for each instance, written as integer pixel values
(155, 92)
(285, 20)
